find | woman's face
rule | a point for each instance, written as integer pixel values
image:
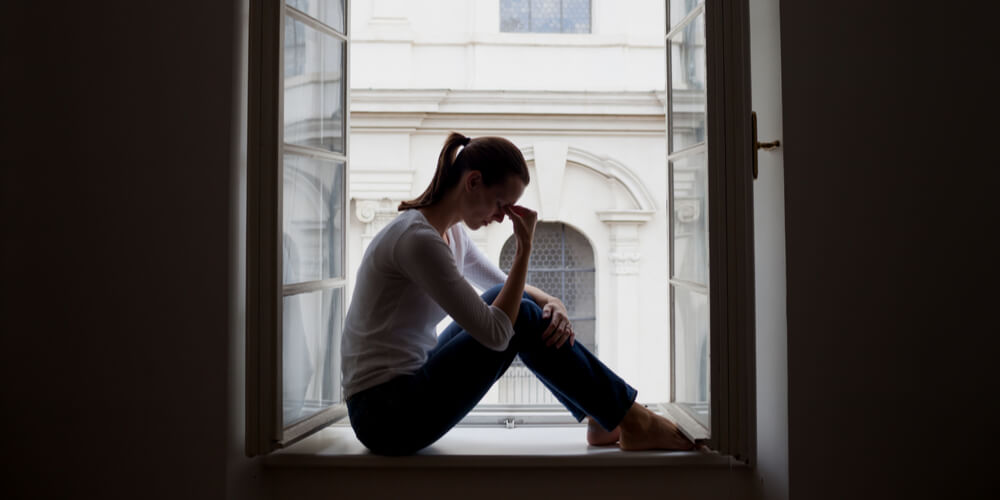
(485, 204)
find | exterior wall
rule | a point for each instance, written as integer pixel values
(586, 109)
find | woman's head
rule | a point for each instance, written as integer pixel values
(489, 172)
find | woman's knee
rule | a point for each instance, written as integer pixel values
(529, 318)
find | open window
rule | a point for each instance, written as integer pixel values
(299, 194)
(296, 203)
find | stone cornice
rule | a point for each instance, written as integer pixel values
(626, 216)
(532, 102)
(398, 32)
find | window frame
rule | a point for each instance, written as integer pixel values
(730, 187)
(728, 147)
(265, 430)
(731, 259)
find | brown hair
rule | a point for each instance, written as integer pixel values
(495, 158)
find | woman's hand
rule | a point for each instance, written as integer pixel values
(524, 220)
(560, 330)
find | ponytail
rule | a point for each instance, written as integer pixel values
(494, 157)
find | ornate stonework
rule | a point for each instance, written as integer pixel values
(375, 214)
(624, 229)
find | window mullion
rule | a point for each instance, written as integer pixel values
(685, 21)
(313, 22)
(312, 286)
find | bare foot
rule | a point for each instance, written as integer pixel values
(644, 430)
(597, 436)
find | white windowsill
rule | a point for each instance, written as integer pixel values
(549, 446)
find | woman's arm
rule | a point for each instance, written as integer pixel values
(421, 256)
(509, 298)
(539, 296)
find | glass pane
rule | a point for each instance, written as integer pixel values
(314, 97)
(545, 16)
(687, 80)
(577, 293)
(547, 247)
(584, 329)
(310, 353)
(691, 347)
(576, 16)
(579, 253)
(329, 12)
(514, 16)
(313, 219)
(690, 192)
(549, 281)
(681, 8)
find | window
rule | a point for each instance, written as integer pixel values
(711, 220)
(296, 216)
(562, 263)
(297, 170)
(545, 16)
(688, 186)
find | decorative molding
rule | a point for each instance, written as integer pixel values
(374, 214)
(374, 184)
(609, 168)
(687, 210)
(549, 40)
(625, 263)
(626, 216)
(514, 102)
(624, 239)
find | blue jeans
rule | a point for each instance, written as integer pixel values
(410, 412)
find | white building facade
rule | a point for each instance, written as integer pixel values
(587, 109)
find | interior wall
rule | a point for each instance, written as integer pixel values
(117, 196)
(890, 173)
(116, 210)
(769, 256)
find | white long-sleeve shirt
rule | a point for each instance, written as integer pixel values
(408, 280)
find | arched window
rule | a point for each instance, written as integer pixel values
(562, 264)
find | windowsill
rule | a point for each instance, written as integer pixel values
(549, 446)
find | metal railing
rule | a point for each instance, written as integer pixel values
(520, 386)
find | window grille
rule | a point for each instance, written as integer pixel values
(545, 16)
(561, 264)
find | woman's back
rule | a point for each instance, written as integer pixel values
(407, 282)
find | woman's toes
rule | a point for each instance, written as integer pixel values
(656, 433)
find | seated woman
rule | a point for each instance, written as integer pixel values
(405, 386)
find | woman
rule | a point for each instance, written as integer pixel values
(406, 387)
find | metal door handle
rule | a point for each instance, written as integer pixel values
(757, 145)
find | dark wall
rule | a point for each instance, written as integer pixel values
(890, 181)
(116, 199)
(116, 263)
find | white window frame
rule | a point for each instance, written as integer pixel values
(730, 189)
(265, 430)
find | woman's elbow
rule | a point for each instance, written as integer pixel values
(498, 344)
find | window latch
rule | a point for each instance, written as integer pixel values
(511, 422)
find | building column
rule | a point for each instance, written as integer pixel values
(623, 350)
